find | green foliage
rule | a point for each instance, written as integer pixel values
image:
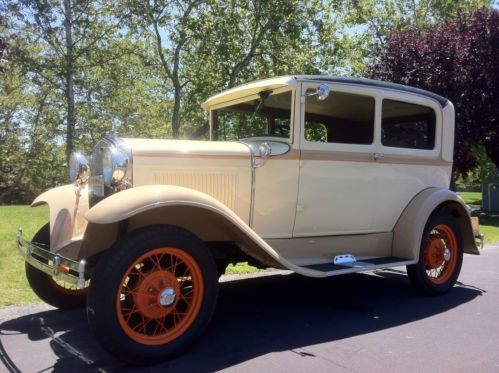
(373, 20)
(315, 131)
(484, 169)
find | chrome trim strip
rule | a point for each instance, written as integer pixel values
(343, 156)
(253, 175)
(27, 249)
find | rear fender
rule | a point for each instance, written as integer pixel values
(408, 231)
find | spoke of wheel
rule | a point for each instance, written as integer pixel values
(142, 325)
(176, 317)
(157, 261)
(138, 272)
(163, 326)
(178, 314)
(187, 296)
(174, 264)
(145, 325)
(132, 292)
(129, 314)
(159, 325)
(186, 273)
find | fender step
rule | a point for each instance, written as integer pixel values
(352, 265)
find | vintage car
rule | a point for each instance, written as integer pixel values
(319, 175)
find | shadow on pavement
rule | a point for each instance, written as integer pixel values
(255, 317)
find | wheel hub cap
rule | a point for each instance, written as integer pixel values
(156, 294)
(447, 254)
(167, 297)
(435, 253)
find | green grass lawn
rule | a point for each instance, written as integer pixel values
(489, 224)
(472, 198)
(14, 288)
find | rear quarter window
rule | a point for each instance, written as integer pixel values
(406, 125)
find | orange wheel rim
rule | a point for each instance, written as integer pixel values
(160, 296)
(440, 254)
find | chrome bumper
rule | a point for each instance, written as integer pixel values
(64, 269)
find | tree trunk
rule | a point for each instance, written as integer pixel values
(176, 114)
(200, 131)
(70, 99)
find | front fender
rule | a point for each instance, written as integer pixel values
(68, 205)
(131, 202)
(200, 213)
(409, 229)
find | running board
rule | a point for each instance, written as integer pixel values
(348, 264)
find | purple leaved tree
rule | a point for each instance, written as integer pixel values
(458, 60)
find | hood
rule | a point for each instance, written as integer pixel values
(222, 170)
(187, 148)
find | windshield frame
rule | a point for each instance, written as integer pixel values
(288, 140)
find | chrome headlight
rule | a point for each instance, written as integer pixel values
(111, 167)
(79, 168)
(115, 166)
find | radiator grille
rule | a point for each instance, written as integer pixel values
(221, 186)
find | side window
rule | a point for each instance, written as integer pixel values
(343, 118)
(405, 125)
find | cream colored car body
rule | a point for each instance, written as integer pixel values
(308, 203)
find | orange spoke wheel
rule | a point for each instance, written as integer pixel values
(440, 254)
(160, 296)
(152, 293)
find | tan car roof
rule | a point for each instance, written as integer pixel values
(250, 89)
(291, 80)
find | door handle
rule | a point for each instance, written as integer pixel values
(377, 156)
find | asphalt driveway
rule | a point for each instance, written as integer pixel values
(283, 322)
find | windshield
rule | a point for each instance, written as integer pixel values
(267, 115)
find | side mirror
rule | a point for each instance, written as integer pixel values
(322, 92)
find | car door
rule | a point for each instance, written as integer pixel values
(338, 180)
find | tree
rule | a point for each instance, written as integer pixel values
(458, 60)
(169, 24)
(371, 20)
(31, 157)
(4, 45)
(67, 33)
(112, 90)
(205, 46)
